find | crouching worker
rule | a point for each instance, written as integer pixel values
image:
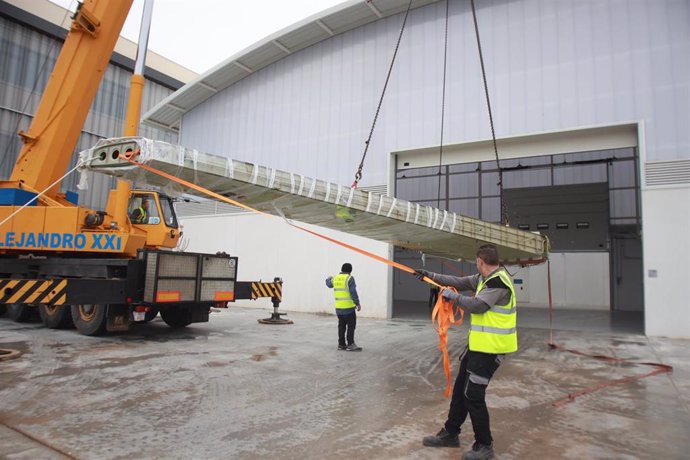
(346, 305)
(492, 334)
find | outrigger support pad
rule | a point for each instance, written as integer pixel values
(275, 319)
(276, 315)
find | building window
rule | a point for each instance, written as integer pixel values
(472, 189)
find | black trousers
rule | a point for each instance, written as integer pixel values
(469, 394)
(349, 323)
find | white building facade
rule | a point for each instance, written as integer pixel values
(591, 105)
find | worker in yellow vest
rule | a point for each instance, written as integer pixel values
(345, 213)
(346, 306)
(492, 335)
(140, 215)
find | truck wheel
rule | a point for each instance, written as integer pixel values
(3, 309)
(19, 312)
(177, 317)
(90, 319)
(56, 316)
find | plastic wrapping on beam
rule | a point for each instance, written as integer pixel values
(304, 199)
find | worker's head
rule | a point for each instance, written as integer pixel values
(487, 259)
(146, 203)
(346, 268)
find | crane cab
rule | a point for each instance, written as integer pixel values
(154, 214)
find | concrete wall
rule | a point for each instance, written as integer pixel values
(269, 247)
(666, 212)
(579, 280)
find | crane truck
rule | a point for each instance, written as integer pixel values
(99, 270)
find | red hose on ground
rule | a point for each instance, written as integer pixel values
(660, 368)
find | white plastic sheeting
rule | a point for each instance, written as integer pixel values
(304, 199)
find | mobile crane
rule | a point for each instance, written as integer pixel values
(99, 270)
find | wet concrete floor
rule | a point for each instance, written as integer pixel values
(236, 389)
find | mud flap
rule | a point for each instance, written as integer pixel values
(118, 318)
(200, 315)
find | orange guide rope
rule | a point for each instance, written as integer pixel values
(442, 314)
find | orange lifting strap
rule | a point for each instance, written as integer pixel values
(442, 316)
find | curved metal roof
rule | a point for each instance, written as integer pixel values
(322, 26)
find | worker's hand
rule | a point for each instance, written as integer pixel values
(450, 294)
(420, 274)
(359, 307)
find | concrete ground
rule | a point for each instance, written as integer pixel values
(233, 388)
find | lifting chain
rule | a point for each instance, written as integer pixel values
(504, 210)
(443, 113)
(358, 174)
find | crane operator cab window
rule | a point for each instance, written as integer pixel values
(142, 209)
(168, 211)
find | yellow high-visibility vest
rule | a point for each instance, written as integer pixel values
(344, 213)
(341, 289)
(141, 218)
(495, 330)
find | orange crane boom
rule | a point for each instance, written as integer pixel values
(69, 94)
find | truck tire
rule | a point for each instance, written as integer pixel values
(90, 319)
(19, 312)
(177, 317)
(3, 309)
(56, 316)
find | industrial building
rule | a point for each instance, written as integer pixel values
(589, 99)
(31, 35)
(590, 106)
(588, 144)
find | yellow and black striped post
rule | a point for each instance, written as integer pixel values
(260, 289)
(257, 289)
(51, 292)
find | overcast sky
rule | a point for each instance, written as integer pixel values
(198, 34)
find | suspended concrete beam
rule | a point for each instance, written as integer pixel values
(402, 223)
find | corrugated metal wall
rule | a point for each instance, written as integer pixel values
(26, 61)
(551, 65)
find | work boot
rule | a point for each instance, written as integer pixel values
(353, 347)
(479, 452)
(442, 439)
(342, 347)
